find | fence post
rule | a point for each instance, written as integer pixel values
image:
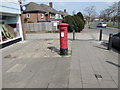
(110, 42)
(100, 37)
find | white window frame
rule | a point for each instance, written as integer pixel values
(42, 15)
(28, 15)
(52, 16)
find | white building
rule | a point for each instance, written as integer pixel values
(10, 22)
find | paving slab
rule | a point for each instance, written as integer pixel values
(75, 83)
(90, 58)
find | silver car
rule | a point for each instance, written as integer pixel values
(102, 24)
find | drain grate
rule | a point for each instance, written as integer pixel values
(99, 77)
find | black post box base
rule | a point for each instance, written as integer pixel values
(63, 51)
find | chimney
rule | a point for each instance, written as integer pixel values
(65, 10)
(50, 4)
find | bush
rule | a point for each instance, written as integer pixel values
(81, 16)
(68, 19)
(30, 22)
(26, 20)
(75, 23)
(78, 23)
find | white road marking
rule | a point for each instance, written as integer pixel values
(13, 67)
(17, 68)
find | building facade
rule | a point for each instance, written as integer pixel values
(40, 12)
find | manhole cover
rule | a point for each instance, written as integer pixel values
(99, 77)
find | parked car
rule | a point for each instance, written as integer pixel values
(116, 41)
(102, 24)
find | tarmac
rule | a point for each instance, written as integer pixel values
(33, 64)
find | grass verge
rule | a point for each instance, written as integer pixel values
(114, 26)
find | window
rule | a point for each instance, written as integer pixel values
(10, 28)
(28, 15)
(52, 16)
(42, 15)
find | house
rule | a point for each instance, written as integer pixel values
(40, 12)
(10, 22)
(51, 12)
(63, 13)
(33, 13)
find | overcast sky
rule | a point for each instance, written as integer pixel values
(76, 6)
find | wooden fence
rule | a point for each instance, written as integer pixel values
(42, 26)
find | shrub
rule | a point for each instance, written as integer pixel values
(68, 19)
(81, 16)
(30, 22)
(75, 23)
(78, 23)
(26, 20)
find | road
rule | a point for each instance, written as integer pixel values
(106, 30)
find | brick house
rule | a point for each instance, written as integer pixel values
(33, 13)
(63, 13)
(50, 12)
(40, 12)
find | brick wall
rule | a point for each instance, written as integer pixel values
(34, 17)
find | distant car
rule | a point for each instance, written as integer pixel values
(102, 24)
(116, 41)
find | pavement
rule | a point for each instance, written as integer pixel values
(31, 64)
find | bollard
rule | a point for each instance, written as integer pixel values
(110, 42)
(73, 34)
(100, 37)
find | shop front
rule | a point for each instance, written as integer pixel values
(10, 23)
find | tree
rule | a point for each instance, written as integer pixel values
(90, 14)
(68, 19)
(118, 17)
(81, 16)
(110, 13)
(79, 24)
(114, 12)
(75, 23)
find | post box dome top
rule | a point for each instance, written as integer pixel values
(63, 24)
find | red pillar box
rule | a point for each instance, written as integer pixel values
(63, 38)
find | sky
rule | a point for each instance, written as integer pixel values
(76, 6)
